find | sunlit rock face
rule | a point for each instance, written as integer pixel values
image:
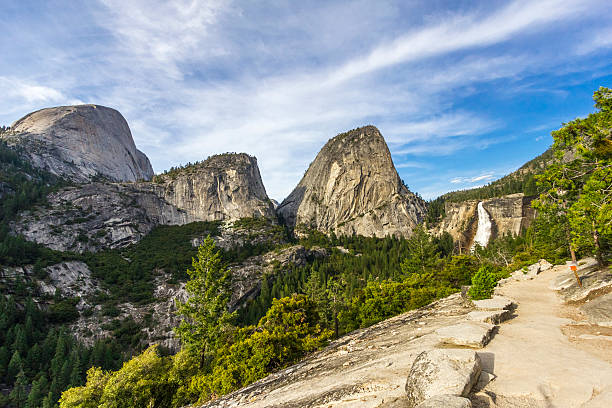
(351, 187)
(102, 215)
(223, 187)
(80, 142)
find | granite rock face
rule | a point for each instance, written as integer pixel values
(352, 187)
(509, 215)
(223, 187)
(102, 215)
(95, 216)
(80, 142)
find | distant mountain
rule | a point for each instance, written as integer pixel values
(351, 187)
(79, 143)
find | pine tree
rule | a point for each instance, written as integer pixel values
(315, 291)
(36, 394)
(422, 252)
(577, 188)
(19, 394)
(205, 313)
(15, 366)
(48, 401)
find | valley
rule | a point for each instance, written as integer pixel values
(99, 256)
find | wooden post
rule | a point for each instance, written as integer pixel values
(574, 267)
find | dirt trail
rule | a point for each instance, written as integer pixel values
(535, 362)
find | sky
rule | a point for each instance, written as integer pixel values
(464, 92)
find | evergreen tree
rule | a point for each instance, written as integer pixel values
(37, 393)
(315, 291)
(48, 401)
(422, 252)
(5, 357)
(576, 189)
(19, 393)
(205, 313)
(15, 366)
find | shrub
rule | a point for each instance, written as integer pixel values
(483, 283)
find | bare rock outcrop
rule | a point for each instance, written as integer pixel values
(102, 215)
(247, 276)
(351, 187)
(95, 216)
(223, 187)
(79, 143)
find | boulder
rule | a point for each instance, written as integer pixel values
(531, 271)
(469, 334)
(445, 401)
(442, 372)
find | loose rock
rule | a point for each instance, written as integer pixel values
(440, 372)
(490, 316)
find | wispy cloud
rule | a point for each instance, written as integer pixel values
(165, 32)
(277, 80)
(474, 179)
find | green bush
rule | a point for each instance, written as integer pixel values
(483, 283)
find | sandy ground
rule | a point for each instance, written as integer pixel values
(536, 363)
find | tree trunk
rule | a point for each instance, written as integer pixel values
(598, 255)
(573, 254)
(336, 324)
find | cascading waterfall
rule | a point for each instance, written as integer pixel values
(483, 233)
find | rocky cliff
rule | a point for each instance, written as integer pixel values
(223, 187)
(101, 215)
(92, 216)
(352, 187)
(80, 142)
(95, 216)
(509, 215)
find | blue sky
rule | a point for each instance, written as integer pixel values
(463, 91)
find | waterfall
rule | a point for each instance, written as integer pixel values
(483, 233)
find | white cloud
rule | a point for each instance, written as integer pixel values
(596, 41)
(462, 32)
(168, 32)
(20, 96)
(28, 91)
(412, 164)
(439, 127)
(195, 78)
